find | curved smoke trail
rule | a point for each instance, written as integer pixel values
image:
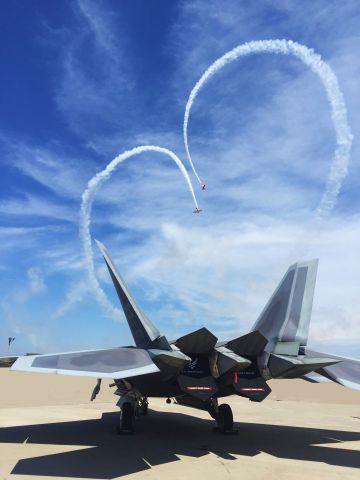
(339, 166)
(86, 205)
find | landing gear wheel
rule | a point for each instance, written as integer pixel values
(127, 418)
(225, 422)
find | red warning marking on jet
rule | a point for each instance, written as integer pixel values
(248, 389)
(199, 388)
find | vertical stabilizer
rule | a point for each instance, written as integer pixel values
(286, 316)
(143, 330)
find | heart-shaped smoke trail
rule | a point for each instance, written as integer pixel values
(85, 213)
(339, 165)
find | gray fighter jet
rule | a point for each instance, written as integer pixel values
(197, 370)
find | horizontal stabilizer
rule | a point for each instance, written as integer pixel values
(115, 363)
(282, 366)
(315, 377)
(346, 371)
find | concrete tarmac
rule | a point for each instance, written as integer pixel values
(49, 429)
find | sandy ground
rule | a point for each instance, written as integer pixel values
(50, 429)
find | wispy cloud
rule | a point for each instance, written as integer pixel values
(93, 87)
(36, 280)
(100, 22)
(49, 165)
(35, 286)
(227, 272)
(75, 295)
(263, 143)
(32, 206)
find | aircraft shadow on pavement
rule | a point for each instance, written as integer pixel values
(160, 437)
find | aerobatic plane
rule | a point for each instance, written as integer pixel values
(196, 370)
(197, 210)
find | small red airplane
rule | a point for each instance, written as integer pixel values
(203, 186)
(197, 210)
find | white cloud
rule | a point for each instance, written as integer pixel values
(223, 275)
(101, 24)
(36, 280)
(35, 206)
(92, 89)
(27, 337)
(262, 138)
(35, 286)
(75, 295)
(63, 256)
(49, 165)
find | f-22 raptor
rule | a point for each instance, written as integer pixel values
(197, 370)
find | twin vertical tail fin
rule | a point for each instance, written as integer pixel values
(285, 320)
(145, 334)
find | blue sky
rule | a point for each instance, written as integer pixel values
(84, 81)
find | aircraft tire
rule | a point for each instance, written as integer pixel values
(127, 418)
(225, 419)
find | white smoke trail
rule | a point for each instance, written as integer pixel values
(85, 213)
(339, 165)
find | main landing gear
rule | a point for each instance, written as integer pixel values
(224, 419)
(127, 418)
(129, 410)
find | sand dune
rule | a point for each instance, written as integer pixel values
(50, 428)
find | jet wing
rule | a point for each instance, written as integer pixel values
(115, 363)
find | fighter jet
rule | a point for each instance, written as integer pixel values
(196, 370)
(197, 210)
